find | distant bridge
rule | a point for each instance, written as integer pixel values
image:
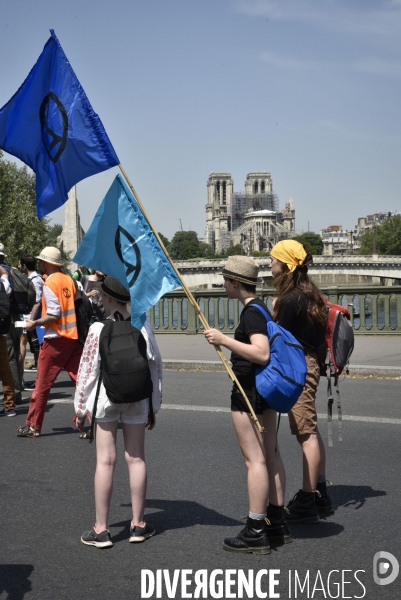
(325, 269)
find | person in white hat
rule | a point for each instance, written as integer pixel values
(60, 348)
(266, 475)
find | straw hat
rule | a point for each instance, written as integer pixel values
(2, 250)
(242, 268)
(113, 288)
(51, 255)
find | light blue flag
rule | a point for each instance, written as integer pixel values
(50, 125)
(121, 243)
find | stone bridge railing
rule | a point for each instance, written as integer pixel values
(203, 272)
(374, 309)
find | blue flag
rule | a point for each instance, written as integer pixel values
(50, 125)
(121, 243)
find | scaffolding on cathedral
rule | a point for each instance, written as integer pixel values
(242, 203)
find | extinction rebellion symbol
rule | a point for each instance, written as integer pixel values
(129, 268)
(54, 123)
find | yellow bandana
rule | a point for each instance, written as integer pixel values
(290, 252)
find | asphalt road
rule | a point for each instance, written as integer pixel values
(196, 497)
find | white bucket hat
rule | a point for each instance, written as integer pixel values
(2, 250)
(51, 255)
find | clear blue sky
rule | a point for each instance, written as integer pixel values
(307, 89)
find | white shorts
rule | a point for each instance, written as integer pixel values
(134, 413)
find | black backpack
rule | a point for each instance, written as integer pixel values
(125, 367)
(84, 315)
(5, 310)
(23, 295)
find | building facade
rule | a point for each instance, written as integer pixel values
(337, 242)
(250, 218)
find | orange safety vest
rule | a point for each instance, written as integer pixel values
(63, 287)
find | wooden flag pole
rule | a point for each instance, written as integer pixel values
(192, 301)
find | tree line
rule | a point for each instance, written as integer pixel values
(185, 245)
(20, 229)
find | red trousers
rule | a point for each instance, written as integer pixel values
(55, 354)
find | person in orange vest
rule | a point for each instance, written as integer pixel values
(61, 348)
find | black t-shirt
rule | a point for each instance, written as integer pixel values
(293, 316)
(251, 321)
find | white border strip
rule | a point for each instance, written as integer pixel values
(218, 409)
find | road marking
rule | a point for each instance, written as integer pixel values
(61, 401)
(320, 415)
(218, 409)
(364, 419)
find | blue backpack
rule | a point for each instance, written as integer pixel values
(281, 381)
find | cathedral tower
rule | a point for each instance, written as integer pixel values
(218, 220)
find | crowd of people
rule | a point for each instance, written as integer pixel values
(299, 308)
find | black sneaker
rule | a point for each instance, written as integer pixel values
(277, 529)
(100, 540)
(32, 369)
(252, 539)
(302, 508)
(323, 500)
(140, 534)
(29, 386)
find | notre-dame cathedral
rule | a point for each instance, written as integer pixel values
(251, 218)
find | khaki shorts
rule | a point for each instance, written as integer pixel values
(302, 417)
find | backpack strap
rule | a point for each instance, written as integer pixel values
(151, 411)
(330, 401)
(99, 383)
(263, 311)
(340, 416)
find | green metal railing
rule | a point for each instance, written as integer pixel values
(374, 309)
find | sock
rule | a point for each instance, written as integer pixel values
(321, 479)
(256, 516)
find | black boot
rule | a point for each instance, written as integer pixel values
(302, 509)
(252, 539)
(322, 499)
(277, 529)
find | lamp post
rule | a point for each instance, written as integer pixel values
(352, 233)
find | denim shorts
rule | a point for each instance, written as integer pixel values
(134, 413)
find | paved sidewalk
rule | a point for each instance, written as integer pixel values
(378, 355)
(380, 350)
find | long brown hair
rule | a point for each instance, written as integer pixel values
(299, 281)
